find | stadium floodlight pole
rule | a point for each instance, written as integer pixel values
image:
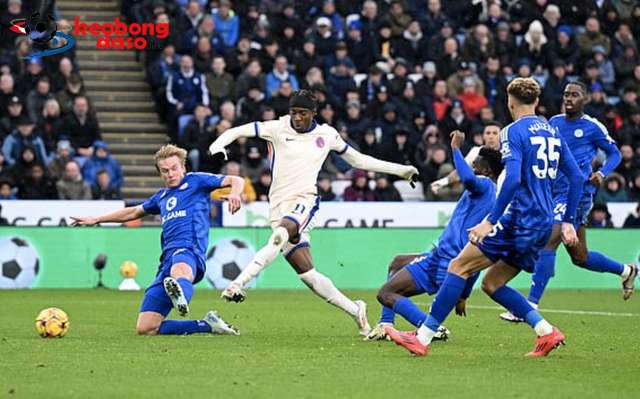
(99, 263)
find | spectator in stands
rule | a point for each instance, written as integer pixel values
(279, 74)
(13, 11)
(323, 37)
(37, 185)
(220, 83)
(249, 106)
(233, 168)
(593, 37)
(597, 102)
(104, 189)
(368, 144)
(612, 190)
(7, 92)
(72, 186)
(441, 101)
(397, 18)
(37, 97)
(61, 158)
(633, 220)
(102, 160)
(191, 17)
(436, 157)
(455, 82)
(370, 19)
(313, 78)
(606, 72)
(206, 29)
(385, 191)
(29, 80)
(49, 125)
(478, 45)
(399, 149)
(9, 123)
(625, 63)
(22, 167)
(251, 76)
(160, 70)
(198, 131)
(599, 216)
(535, 47)
(23, 137)
(264, 183)
(359, 189)
(325, 191)
(227, 24)
(355, 122)
(455, 120)
(280, 100)
(73, 88)
(202, 55)
(472, 101)
(62, 74)
(629, 133)
(413, 45)
(7, 190)
(185, 89)
(82, 127)
(359, 47)
(634, 188)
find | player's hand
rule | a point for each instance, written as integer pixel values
(596, 178)
(84, 221)
(461, 307)
(457, 138)
(569, 236)
(411, 175)
(479, 232)
(234, 202)
(214, 149)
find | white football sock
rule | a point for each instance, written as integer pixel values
(626, 272)
(323, 287)
(533, 305)
(425, 335)
(543, 328)
(264, 256)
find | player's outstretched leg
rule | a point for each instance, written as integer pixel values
(263, 258)
(548, 336)
(211, 323)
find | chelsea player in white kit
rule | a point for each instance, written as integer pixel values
(298, 147)
(185, 208)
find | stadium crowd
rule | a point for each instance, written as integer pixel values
(50, 139)
(394, 77)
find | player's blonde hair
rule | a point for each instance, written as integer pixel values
(525, 90)
(170, 150)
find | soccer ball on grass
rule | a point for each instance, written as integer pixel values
(52, 323)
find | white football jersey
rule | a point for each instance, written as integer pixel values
(296, 158)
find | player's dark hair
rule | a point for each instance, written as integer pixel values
(580, 84)
(493, 123)
(525, 90)
(304, 99)
(494, 159)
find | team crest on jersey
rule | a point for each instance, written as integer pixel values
(184, 186)
(171, 203)
(578, 133)
(320, 142)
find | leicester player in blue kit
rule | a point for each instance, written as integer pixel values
(584, 136)
(184, 205)
(509, 241)
(425, 273)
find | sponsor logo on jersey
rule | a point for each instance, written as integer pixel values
(320, 142)
(175, 214)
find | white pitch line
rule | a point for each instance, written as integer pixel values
(563, 311)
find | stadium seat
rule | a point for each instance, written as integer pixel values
(407, 193)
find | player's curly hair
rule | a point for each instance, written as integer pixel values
(525, 90)
(304, 99)
(168, 151)
(580, 84)
(494, 159)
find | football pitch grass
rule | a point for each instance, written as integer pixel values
(292, 345)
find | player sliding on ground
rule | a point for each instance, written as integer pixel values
(425, 273)
(185, 208)
(298, 147)
(584, 135)
(509, 241)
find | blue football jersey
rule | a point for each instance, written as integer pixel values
(583, 136)
(473, 206)
(534, 142)
(186, 212)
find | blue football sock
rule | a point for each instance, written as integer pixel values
(598, 262)
(388, 315)
(446, 299)
(516, 303)
(183, 327)
(187, 288)
(410, 311)
(544, 270)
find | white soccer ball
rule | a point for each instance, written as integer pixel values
(226, 259)
(19, 263)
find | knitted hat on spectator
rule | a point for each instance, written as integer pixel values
(356, 24)
(566, 29)
(596, 86)
(64, 145)
(15, 100)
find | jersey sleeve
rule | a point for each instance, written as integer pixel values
(338, 144)
(208, 181)
(510, 147)
(266, 130)
(603, 141)
(471, 182)
(151, 205)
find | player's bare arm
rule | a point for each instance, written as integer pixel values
(233, 198)
(120, 216)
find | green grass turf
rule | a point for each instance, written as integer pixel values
(295, 346)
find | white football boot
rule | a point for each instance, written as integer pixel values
(174, 291)
(629, 283)
(233, 293)
(361, 318)
(378, 333)
(219, 326)
(442, 334)
(510, 317)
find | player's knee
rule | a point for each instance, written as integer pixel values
(457, 267)
(385, 297)
(489, 286)
(147, 329)
(579, 259)
(396, 264)
(280, 236)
